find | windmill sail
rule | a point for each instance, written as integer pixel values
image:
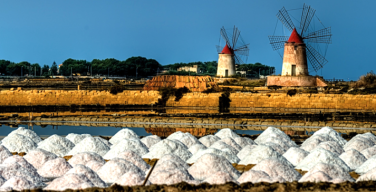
(315, 58)
(278, 42)
(320, 36)
(305, 20)
(235, 45)
(284, 17)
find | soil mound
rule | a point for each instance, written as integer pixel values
(321, 155)
(209, 164)
(115, 168)
(54, 168)
(90, 144)
(167, 146)
(70, 181)
(193, 83)
(57, 145)
(134, 158)
(295, 155)
(245, 151)
(76, 138)
(229, 156)
(196, 147)
(353, 158)
(84, 157)
(208, 140)
(150, 140)
(90, 174)
(18, 143)
(123, 134)
(278, 168)
(186, 138)
(253, 176)
(38, 157)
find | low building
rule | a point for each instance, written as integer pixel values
(193, 68)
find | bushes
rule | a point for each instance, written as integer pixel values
(366, 81)
(117, 88)
(167, 92)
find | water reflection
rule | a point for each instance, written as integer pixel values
(165, 132)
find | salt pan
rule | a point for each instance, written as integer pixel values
(167, 146)
(90, 144)
(17, 184)
(4, 153)
(186, 138)
(321, 155)
(94, 165)
(366, 166)
(38, 157)
(294, 155)
(208, 140)
(54, 168)
(70, 181)
(224, 147)
(260, 153)
(369, 152)
(126, 144)
(131, 179)
(278, 168)
(28, 133)
(123, 134)
(76, 138)
(60, 146)
(134, 158)
(226, 132)
(18, 143)
(196, 147)
(245, 151)
(220, 178)
(332, 170)
(209, 164)
(90, 174)
(115, 168)
(84, 157)
(353, 158)
(230, 157)
(253, 176)
(150, 140)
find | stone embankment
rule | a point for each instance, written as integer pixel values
(236, 100)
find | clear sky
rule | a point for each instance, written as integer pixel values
(172, 31)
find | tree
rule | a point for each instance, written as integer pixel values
(54, 68)
(45, 70)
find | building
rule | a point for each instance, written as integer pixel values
(193, 68)
(226, 63)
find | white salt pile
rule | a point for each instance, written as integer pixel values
(10, 170)
(366, 166)
(2, 180)
(244, 141)
(209, 140)
(219, 178)
(274, 135)
(104, 141)
(131, 179)
(229, 156)
(369, 152)
(169, 176)
(90, 174)
(253, 176)
(232, 143)
(332, 146)
(70, 181)
(90, 144)
(60, 146)
(167, 146)
(94, 165)
(4, 153)
(278, 168)
(18, 143)
(115, 168)
(134, 158)
(150, 140)
(186, 138)
(359, 144)
(332, 170)
(28, 133)
(321, 155)
(295, 154)
(84, 157)
(353, 158)
(226, 132)
(313, 141)
(54, 168)
(123, 134)
(209, 164)
(220, 145)
(260, 153)
(17, 184)
(76, 138)
(21, 161)
(171, 157)
(38, 157)
(316, 177)
(370, 136)
(197, 147)
(245, 151)
(276, 147)
(333, 134)
(368, 176)
(126, 144)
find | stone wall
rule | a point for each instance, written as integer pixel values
(193, 99)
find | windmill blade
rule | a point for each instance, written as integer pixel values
(315, 58)
(225, 37)
(235, 36)
(242, 50)
(284, 17)
(320, 36)
(278, 42)
(238, 60)
(306, 18)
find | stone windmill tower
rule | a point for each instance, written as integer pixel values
(299, 50)
(234, 52)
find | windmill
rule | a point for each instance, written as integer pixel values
(299, 47)
(235, 51)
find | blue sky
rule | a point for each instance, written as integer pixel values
(172, 31)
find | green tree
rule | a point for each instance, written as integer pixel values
(54, 68)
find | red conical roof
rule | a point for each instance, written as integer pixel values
(295, 37)
(227, 50)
